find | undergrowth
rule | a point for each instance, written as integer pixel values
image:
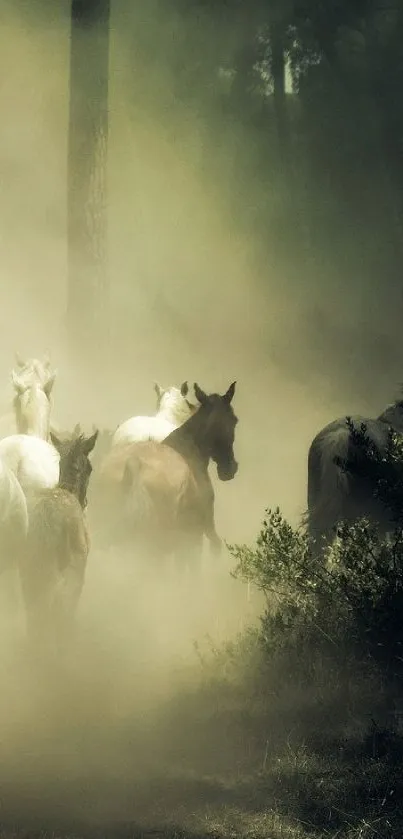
(318, 686)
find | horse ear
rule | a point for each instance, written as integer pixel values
(229, 395)
(158, 389)
(201, 396)
(184, 388)
(46, 360)
(48, 386)
(77, 430)
(19, 385)
(56, 442)
(89, 443)
(19, 361)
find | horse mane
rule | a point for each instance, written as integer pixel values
(75, 440)
(71, 443)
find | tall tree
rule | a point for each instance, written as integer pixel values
(87, 167)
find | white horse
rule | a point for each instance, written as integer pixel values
(13, 517)
(28, 454)
(27, 373)
(27, 461)
(34, 370)
(32, 406)
(13, 535)
(173, 409)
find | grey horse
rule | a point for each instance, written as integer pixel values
(335, 495)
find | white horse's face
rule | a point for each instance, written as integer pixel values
(33, 371)
(32, 407)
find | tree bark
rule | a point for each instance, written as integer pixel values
(87, 300)
(276, 30)
(287, 153)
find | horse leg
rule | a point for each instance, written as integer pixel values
(39, 631)
(189, 550)
(320, 541)
(66, 595)
(208, 518)
(35, 586)
(12, 544)
(215, 543)
(210, 529)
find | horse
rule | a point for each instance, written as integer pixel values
(34, 370)
(335, 495)
(52, 567)
(29, 455)
(32, 406)
(173, 409)
(26, 374)
(161, 493)
(13, 516)
(13, 533)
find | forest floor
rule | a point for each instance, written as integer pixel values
(206, 772)
(293, 800)
(218, 748)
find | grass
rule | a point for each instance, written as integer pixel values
(230, 764)
(298, 796)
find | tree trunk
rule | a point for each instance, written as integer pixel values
(276, 30)
(87, 171)
(291, 171)
(381, 87)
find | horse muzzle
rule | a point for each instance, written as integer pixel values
(227, 472)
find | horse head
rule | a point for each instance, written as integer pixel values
(34, 370)
(32, 405)
(219, 433)
(75, 466)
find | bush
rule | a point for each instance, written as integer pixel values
(309, 699)
(350, 603)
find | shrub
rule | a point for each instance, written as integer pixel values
(352, 602)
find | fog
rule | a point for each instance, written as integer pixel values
(193, 296)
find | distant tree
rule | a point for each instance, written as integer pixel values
(87, 165)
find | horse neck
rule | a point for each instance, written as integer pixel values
(191, 440)
(166, 414)
(34, 419)
(40, 430)
(170, 414)
(68, 485)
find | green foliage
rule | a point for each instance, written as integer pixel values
(331, 636)
(352, 603)
(383, 469)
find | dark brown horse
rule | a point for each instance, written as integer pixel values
(53, 566)
(336, 495)
(160, 494)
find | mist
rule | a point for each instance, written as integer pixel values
(196, 294)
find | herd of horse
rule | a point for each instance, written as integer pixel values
(150, 489)
(148, 486)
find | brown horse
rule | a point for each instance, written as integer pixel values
(53, 566)
(161, 494)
